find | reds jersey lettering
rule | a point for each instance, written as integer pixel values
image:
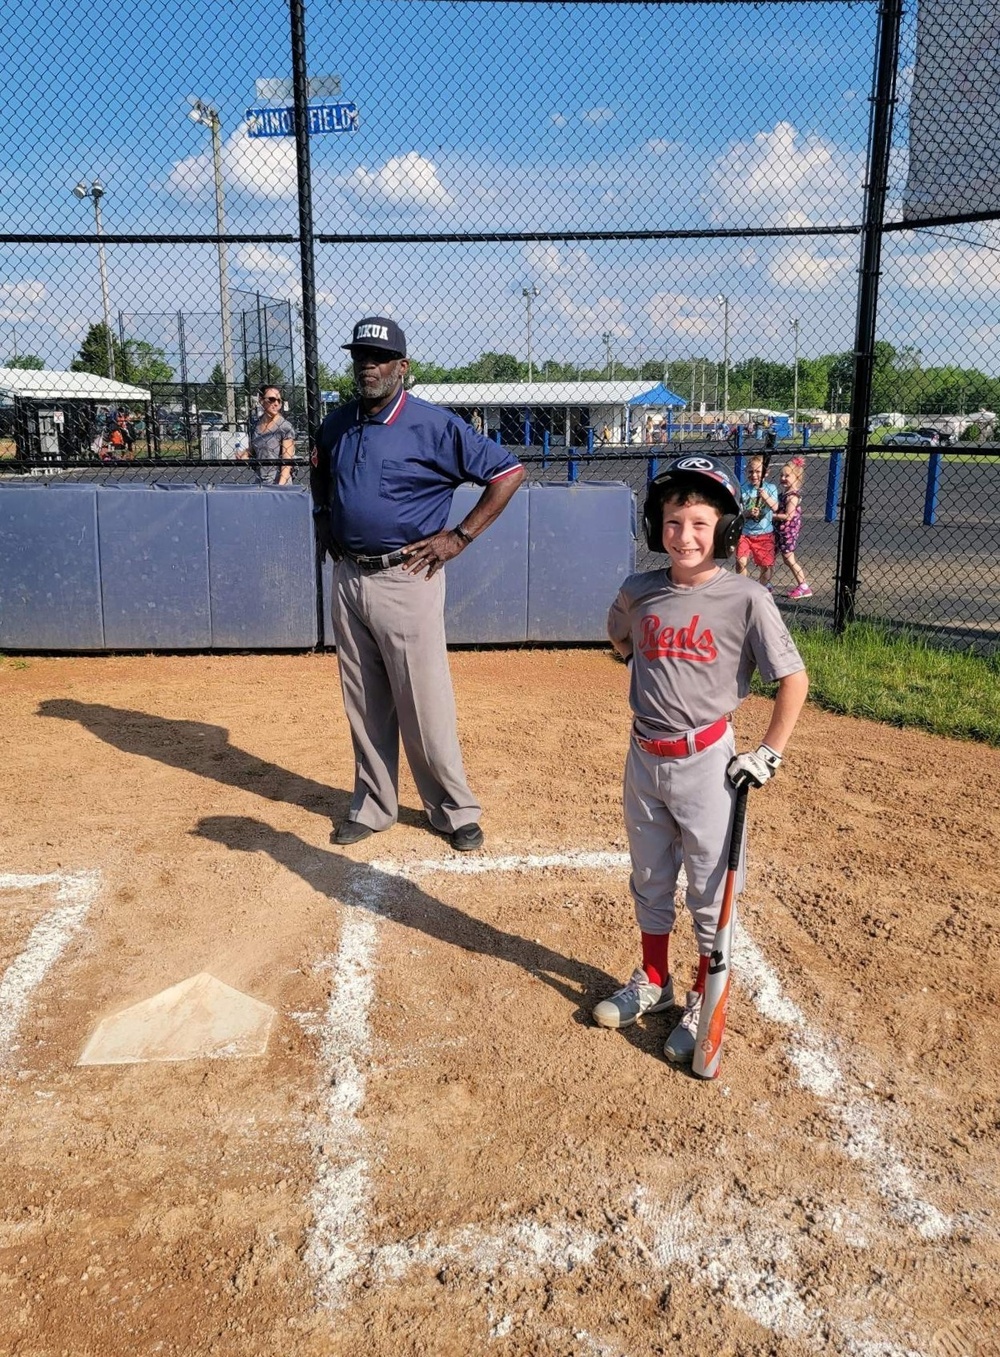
(681, 643)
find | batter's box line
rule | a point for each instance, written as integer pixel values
(813, 1056)
(75, 892)
(342, 1190)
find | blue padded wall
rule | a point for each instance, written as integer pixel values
(154, 568)
(50, 587)
(486, 597)
(581, 547)
(261, 576)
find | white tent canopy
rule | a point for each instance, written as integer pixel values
(26, 384)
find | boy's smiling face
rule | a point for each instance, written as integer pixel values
(689, 540)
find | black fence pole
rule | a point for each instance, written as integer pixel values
(310, 339)
(300, 82)
(879, 147)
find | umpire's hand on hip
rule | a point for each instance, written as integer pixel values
(430, 553)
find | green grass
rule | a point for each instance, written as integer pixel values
(902, 680)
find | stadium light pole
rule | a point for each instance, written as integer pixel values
(724, 303)
(97, 192)
(606, 337)
(529, 294)
(795, 398)
(208, 117)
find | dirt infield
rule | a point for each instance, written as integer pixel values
(439, 1154)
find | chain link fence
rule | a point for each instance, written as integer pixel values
(608, 230)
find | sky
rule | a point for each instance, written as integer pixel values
(479, 117)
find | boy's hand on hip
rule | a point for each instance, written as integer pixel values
(755, 769)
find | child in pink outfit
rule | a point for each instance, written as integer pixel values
(788, 523)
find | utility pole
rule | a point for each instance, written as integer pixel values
(529, 294)
(724, 303)
(97, 191)
(208, 117)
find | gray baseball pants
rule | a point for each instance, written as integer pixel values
(394, 675)
(680, 811)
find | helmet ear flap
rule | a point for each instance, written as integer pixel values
(727, 534)
(652, 517)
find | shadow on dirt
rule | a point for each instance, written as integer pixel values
(203, 749)
(359, 885)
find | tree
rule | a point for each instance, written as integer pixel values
(93, 355)
(258, 374)
(145, 365)
(26, 362)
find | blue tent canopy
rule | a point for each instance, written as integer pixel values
(660, 396)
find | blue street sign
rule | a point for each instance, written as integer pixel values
(279, 122)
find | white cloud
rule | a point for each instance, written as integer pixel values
(271, 269)
(261, 166)
(558, 119)
(404, 181)
(605, 315)
(810, 268)
(19, 301)
(549, 262)
(595, 117)
(784, 178)
(961, 270)
(264, 166)
(262, 259)
(28, 291)
(661, 146)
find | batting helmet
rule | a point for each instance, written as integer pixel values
(703, 473)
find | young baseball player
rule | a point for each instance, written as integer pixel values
(692, 634)
(759, 499)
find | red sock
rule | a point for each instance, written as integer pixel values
(656, 957)
(699, 982)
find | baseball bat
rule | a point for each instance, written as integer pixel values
(715, 1004)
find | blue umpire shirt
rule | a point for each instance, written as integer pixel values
(389, 479)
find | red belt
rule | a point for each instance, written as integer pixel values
(687, 744)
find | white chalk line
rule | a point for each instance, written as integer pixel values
(814, 1059)
(341, 1193)
(75, 892)
(342, 1190)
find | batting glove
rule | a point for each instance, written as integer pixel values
(755, 769)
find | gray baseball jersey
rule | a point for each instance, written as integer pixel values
(694, 650)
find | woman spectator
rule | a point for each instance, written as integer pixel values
(272, 438)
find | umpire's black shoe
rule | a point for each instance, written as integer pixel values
(350, 831)
(466, 839)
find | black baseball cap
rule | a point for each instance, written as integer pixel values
(378, 332)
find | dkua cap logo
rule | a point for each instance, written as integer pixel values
(378, 332)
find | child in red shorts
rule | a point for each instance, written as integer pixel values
(759, 499)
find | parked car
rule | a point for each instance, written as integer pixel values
(910, 438)
(936, 436)
(211, 419)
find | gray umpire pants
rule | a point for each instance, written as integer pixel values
(680, 811)
(389, 630)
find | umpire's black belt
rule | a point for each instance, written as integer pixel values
(371, 564)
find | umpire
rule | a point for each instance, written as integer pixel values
(385, 467)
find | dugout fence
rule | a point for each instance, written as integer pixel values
(709, 198)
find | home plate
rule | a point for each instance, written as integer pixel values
(198, 1019)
